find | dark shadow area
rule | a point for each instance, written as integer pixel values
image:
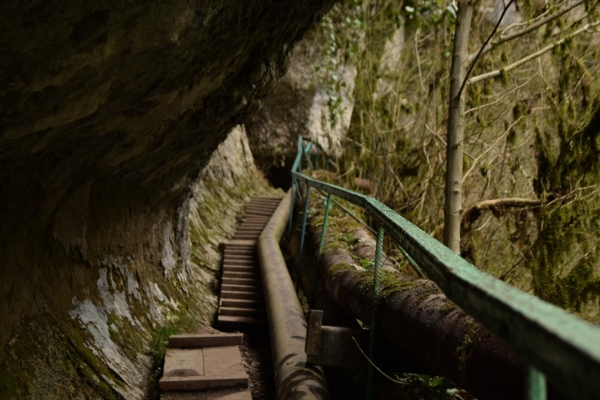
(280, 177)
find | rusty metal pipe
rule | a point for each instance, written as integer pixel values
(287, 324)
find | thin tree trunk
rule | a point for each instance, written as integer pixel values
(454, 148)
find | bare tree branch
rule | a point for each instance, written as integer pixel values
(476, 160)
(503, 96)
(498, 205)
(533, 56)
(470, 63)
(486, 48)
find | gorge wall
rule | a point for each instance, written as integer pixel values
(109, 112)
(303, 104)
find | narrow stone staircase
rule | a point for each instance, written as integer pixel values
(241, 302)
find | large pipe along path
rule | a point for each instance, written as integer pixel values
(294, 379)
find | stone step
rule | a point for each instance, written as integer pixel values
(206, 340)
(256, 219)
(244, 232)
(250, 251)
(241, 288)
(219, 394)
(257, 223)
(203, 369)
(241, 312)
(267, 204)
(253, 269)
(240, 257)
(250, 229)
(229, 294)
(243, 303)
(260, 209)
(259, 214)
(201, 383)
(241, 274)
(250, 257)
(235, 322)
(266, 198)
(240, 281)
(239, 263)
(239, 243)
(247, 236)
(263, 204)
(242, 264)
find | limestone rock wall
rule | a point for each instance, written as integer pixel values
(109, 111)
(300, 106)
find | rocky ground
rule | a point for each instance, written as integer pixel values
(257, 359)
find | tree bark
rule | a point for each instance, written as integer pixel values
(454, 148)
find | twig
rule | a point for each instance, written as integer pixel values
(419, 59)
(437, 135)
(472, 213)
(505, 38)
(476, 160)
(375, 366)
(472, 63)
(530, 57)
(501, 97)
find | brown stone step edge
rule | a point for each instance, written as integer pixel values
(232, 294)
(206, 340)
(200, 383)
(240, 243)
(235, 321)
(222, 394)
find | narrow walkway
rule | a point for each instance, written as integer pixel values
(213, 366)
(242, 304)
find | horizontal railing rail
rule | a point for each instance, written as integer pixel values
(557, 345)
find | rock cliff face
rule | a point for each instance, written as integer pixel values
(300, 105)
(109, 111)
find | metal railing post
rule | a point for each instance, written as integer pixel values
(306, 152)
(324, 229)
(536, 384)
(304, 217)
(321, 244)
(291, 205)
(376, 290)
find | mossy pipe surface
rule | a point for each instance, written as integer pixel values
(294, 379)
(416, 316)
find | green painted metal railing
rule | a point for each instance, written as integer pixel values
(557, 345)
